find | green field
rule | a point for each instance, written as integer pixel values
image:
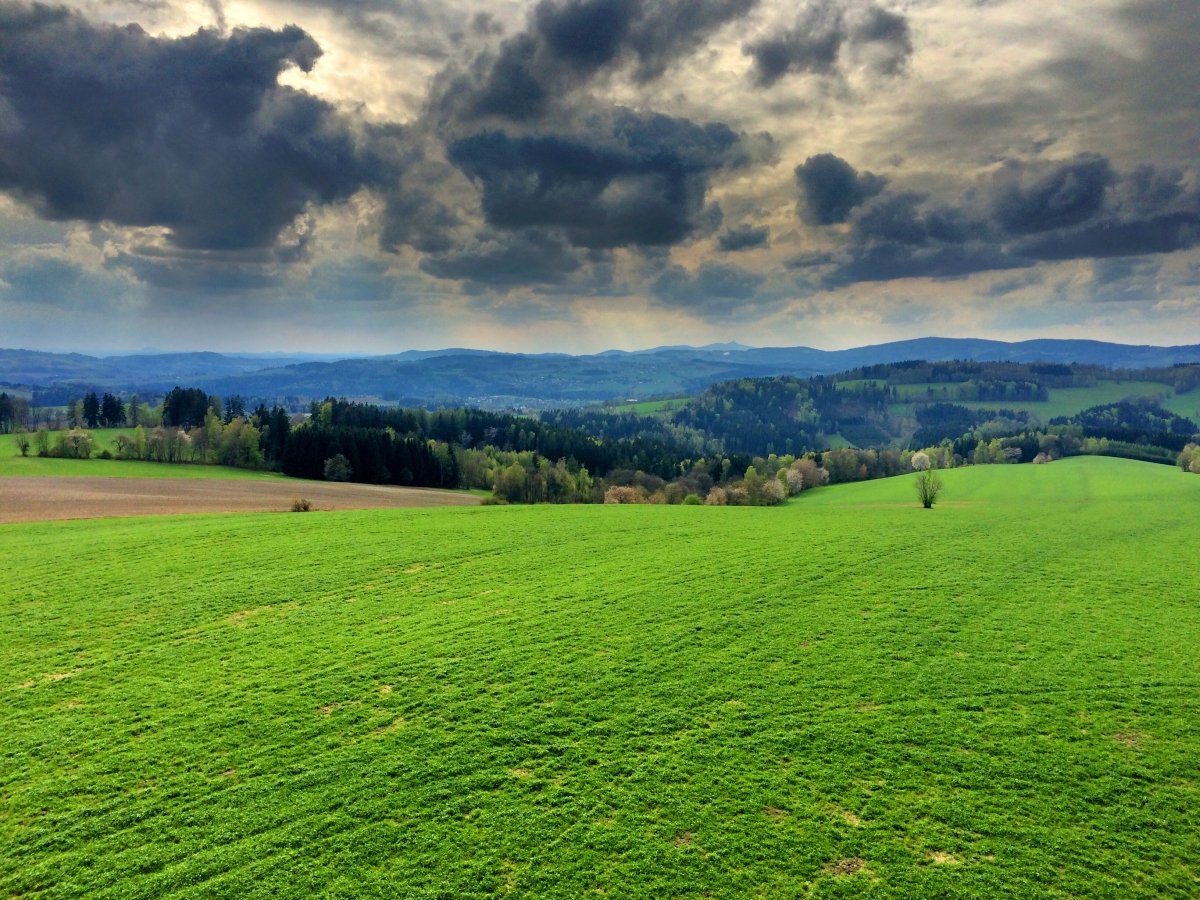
(844, 696)
(648, 407)
(1065, 401)
(12, 463)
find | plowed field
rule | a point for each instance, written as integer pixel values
(40, 499)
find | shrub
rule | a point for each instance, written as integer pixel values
(301, 504)
(771, 493)
(621, 493)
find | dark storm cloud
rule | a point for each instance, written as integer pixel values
(194, 134)
(508, 261)
(1158, 234)
(1148, 211)
(419, 220)
(566, 44)
(1068, 194)
(887, 261)
(909, 219)
(832, 188)
(632, 179)
(824, 31)
(1026, 213)
(744, 237)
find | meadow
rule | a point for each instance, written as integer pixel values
(12, 463)
(1063, 401)
(844, 696)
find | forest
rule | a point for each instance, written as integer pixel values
(745, 441)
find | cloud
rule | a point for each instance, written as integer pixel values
(831, 188)
(567, 44)
(1027, 212)
(1147, 211)
(714, 290)
(1006, 286)
(507, 261)
(418, 219)
(194, 134)
(1027, 200)
(744, 237)
(823, 32)
(633, 179)
(888, 261)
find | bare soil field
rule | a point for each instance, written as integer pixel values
(40, 499)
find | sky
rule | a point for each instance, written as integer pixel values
(370, 176)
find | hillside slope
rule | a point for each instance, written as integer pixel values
(845, 696)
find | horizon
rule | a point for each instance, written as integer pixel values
(576, 176)
(730, 346)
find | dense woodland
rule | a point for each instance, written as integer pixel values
(752, 440)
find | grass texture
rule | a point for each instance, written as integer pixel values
(845, 696)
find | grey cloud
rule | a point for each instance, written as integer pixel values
(1028, 212)
(667, 31)
(887, 261)
(744, 237)
(199, 272)
(832, 188)
(1006, 286)
(1166, 233)
(193, 134)
(825, 29)
(418, 219)
(1128, 279)
(906, 219)
(508, 261)
(633, 179)
(1067, 194)
(48, 280)
(714, 289)
(566, 44)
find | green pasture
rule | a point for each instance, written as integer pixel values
(1063, 401)
(845, 696)
(12, 463)
(648, 407)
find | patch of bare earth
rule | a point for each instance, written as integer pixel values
(25, 499)
(683, 839)
(850, 866)
(943, 859)
(1131, 739)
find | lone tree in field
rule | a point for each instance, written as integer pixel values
(929, 485)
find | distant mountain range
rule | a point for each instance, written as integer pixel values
(488, 379)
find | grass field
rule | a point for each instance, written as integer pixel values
(648, 407)
(12, 463)
(1069, 401)
(845, 696)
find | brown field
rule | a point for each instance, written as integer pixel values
(40, 499)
